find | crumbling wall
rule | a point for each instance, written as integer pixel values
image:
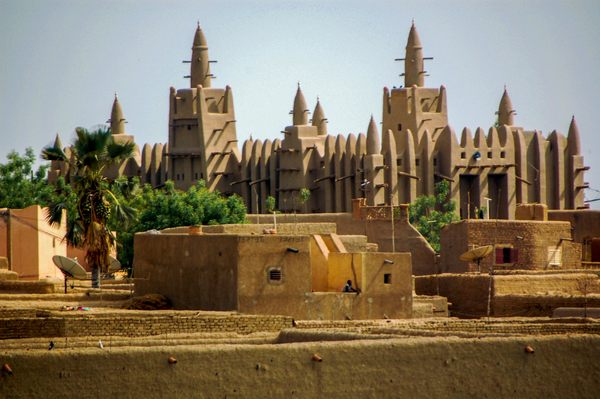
(137, 326)
(561, 367)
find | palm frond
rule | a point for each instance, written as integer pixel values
(118, 152)
(52, 153)
(54, 213)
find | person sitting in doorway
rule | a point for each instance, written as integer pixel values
(348, 287)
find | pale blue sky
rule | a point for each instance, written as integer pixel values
(62, 60)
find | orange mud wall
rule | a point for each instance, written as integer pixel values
(561, 367)
(34, 243)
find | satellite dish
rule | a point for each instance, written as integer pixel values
(477, 254)
(114, 264)
(69, 267)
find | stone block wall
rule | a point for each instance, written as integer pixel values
(136, 326)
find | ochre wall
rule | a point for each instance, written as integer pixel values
(231, 272)
(512, 295)
(585, 222)
(561, 367)
(177, 266)
(258, 254)
(34, 242)
(379, 232)
(531, 238)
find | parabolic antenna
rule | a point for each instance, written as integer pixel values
(114, 264)
(477, 254)
(69, 267)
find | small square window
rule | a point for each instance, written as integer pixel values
(502, 154)
(463, 155)
(387, 278)
(399, 162)
(489, 154)
(417, 162)
(274, 275)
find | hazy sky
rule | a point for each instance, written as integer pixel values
(62, 61)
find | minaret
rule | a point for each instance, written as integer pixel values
(300, 112)
(414, 72)
(57, 142)
(373, 184)
(319, 119)
(505, 110)
(573, 142)
(372, 138)
(117, 122)
(199, 72)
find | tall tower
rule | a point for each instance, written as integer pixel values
(414, 71)
(300, 151)
(414, 108)
(202, 134)
(505, 110)
(117, 123)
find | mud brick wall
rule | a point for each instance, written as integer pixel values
(532, 239)
(132, 326)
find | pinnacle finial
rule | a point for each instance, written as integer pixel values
(372, 137)
(299, 112)
(505, 110)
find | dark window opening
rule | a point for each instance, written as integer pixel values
(189, 127)
(489, 154)
(463, 155)
(399, 127)
(434, 161)
(196, 175)
(387, 278)
(506, 255)
(177, 176)
(399, 162)
(502, 154)
(274, 275)
(417, 162)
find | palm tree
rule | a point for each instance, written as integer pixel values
(91, 153)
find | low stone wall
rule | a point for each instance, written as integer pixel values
(512, 295)
(135, 326)
(29, 287)
(561, 367)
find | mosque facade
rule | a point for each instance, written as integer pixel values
(416, 149)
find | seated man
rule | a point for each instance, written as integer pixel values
(348, 287)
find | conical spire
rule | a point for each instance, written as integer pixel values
(117, 122)
(199, 70)
(319, 119)
(300, 112)
(505, 110)
(57, 142)
(372, 138)
(414, 73)
(573, 138)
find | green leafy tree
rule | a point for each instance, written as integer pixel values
(92, 152)
(429, 213)
(20, 185)
(167, 207)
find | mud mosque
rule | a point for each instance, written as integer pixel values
(416, 149)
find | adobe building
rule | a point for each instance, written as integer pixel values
(29, 243)
(518, 245)
(294, 273)
(416, 148)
